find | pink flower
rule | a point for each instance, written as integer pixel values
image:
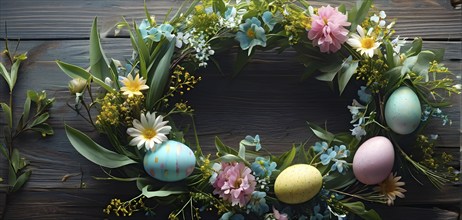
(279, 216)
(327, 29)
(235, 183)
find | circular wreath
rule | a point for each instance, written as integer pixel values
(403, 87)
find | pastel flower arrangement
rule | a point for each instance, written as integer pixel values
(139, 98)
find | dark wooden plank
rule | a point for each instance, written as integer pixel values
(273, 103)
(68, 19)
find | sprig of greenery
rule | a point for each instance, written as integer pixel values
(33, 118)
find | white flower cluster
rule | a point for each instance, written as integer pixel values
(196, 40)
(232, 18)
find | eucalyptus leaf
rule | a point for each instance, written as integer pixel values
(15, 160)
(422, 63)
(94, 152)
(415, 48)
(164, 192)
(336, 180)
(242, 151)
(21, 180)
(160, 78)
(229, 158)
(98, 61)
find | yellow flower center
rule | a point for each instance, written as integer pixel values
(367, 42)
(149, 133)
(133, 86)
(238, 183)
(325, 20)
(250, 33)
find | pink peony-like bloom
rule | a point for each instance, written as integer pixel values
(235, 183)
(328, 30)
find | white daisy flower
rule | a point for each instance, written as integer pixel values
(149, 131)
(363, 43)
(133, 86)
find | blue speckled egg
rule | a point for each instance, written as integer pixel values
(171, 161)
(403, 111)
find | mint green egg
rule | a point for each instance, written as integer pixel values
(403, 111)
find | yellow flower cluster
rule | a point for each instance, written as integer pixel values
(205, 198)
(371, 71)
(206, 23)
(109, 114)
(297, 23)
(205, 168)
(126, 208)
(182, 80)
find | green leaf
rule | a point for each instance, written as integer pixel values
(242, 151)
(163, 192)
(288, 158)
(76, 71)
(219, 6)
(223, 149)
(15, 160)
(345, 74)
(321, 133)
(359, 209)
(40, 119)
(8, 114)
(11, 175)
(14, 73)
(44, 129)
(21, 180)
(161, 76)
(336, 180)
(241, 61)
(423, 63)
(357, 14)
(26, 110)
(98, 61)
(415, 48)
(390, 54)
(6, 75)
(3, 150)
(94, 152)
(232, 158)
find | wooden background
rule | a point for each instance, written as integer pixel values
(268, 98)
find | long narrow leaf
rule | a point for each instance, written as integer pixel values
(160, 78)
(94, 152)
(8, 115)
(164, 192)
(98, 61)
(76, 71)
(14, 73)
(6, 75)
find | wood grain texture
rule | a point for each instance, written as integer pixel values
(268, 98)
(68, 19)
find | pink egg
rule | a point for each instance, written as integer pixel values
(374, 160)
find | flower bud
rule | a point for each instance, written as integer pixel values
(77, 85)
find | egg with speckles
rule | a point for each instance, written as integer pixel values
(403, 111)
(297, 184)
(171, 161)
(373, 161)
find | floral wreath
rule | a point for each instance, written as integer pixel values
(404, 87)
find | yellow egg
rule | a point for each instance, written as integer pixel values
(298, 184)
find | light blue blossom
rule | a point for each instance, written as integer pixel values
(257, 203)
(251, 34)
(358, 131)
(166, 30)
(340, 166)
(230, 13)
(435, 112)
(154, 34)
(364, 95)
(231, 216)
(328, 156)
(356, 110)
(317, 215)
(269, 20)
(320, 147)
(143, 27)
(252, 141)
(342, 152)
(263, 167)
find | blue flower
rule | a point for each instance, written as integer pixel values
(328, 156)
(143, 27)
(257, 203)
(230, 13)
(364, 95)
(269, 20)
(320, 147)
(251, 34)
(358, 131)
(253, 141)
(342, 152)
(340, 166)
(231, 216)
(154, 34)
(263, 167)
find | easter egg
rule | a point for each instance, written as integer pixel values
(403, 111)
(297, 184)
(373, 160)
(171, 161)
